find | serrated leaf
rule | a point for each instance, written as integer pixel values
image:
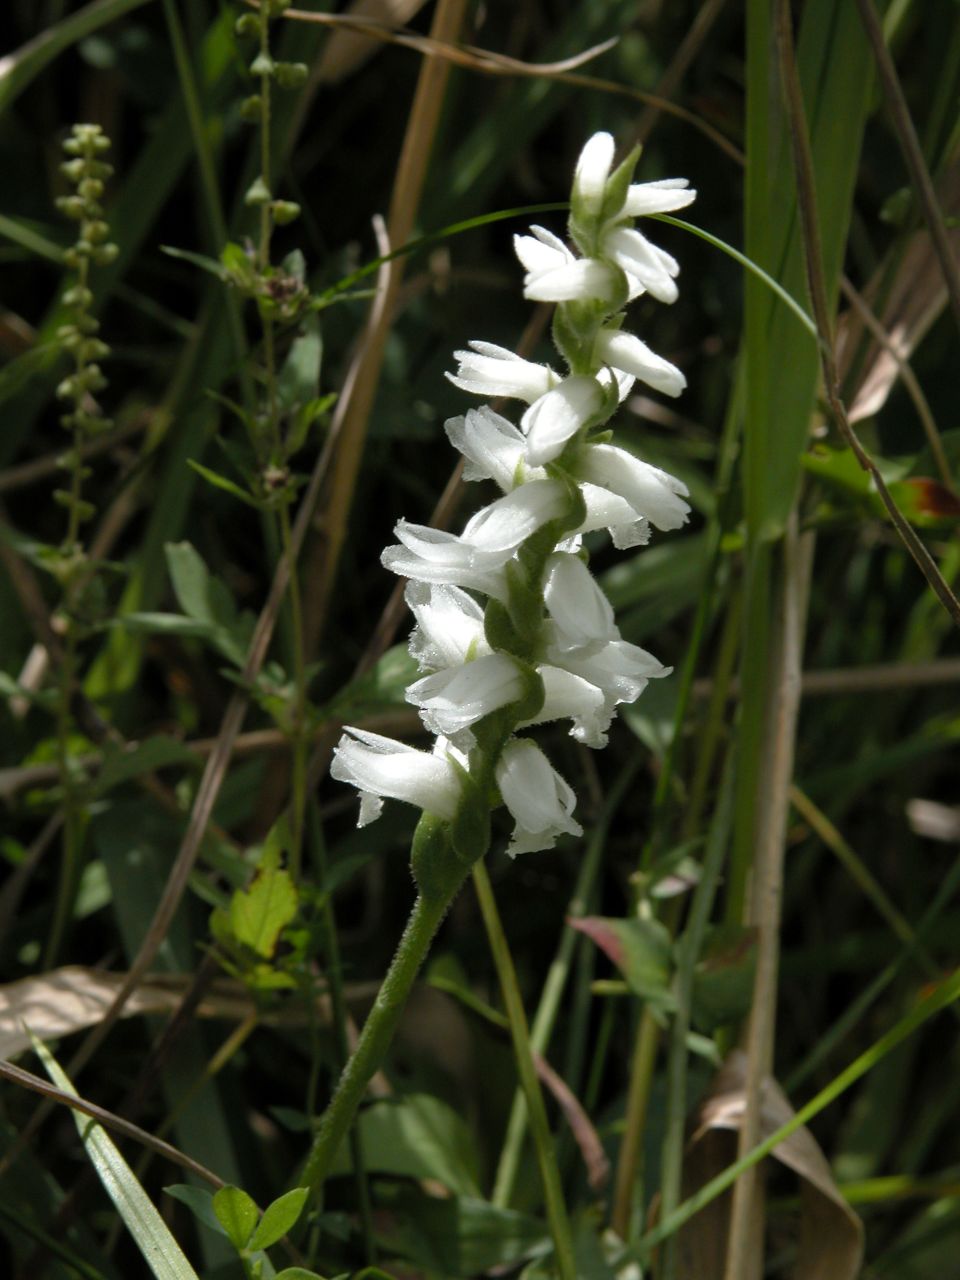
(258, 914)
(237, 1213)
(160, 1250)
(279, 1217)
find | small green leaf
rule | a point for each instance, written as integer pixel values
(258, 914)
(641, 950)
(378, 690)
(236, 1213)
(222, 482)
(299, 379)
(199, 1201)
(278, 1218)
(119, 764)
(297, 1273)
(196, 259)
(723, 978)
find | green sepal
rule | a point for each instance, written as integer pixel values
(498, 628)
(615, 192)
(436, 868)
(470, 829)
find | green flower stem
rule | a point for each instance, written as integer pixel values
(638, 1096)
(553, 988)
(539, 1125)
(377, 1033)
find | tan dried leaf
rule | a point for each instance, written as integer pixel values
(830, 1243)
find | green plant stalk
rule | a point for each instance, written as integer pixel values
(671, 1165)
(377, 1033)
(299, 734)
(553, 989)
(539, 1124)
(338, 1011)
(937, 1000)
(638, 1098)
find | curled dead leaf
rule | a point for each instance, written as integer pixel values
(830, 1239)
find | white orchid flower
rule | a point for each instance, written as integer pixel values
(649, 491)
(554, 274)
(557, 416)
(575, 602)
(651, 269)
(539, 800)
(454, 699)
(665, 195)
(620, 670)
(449, 628)
(626, 352)
(590, 178)
(493, 448)
(570, 697)
(379, 767)
(489, 370)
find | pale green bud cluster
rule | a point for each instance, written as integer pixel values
(87, 172)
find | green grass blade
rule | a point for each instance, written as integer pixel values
(163, 1255)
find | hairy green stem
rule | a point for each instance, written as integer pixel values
(539, 1124)
(376, 1035)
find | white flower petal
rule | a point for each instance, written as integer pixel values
(541, 251)
(567, 696)
(649, 491)
(449, 628)
(551, 421)
(458, 697)
(378, 766)
(430, 555)
(577, 605)
(593, 169)
(540, 801)
(500, 528)
(492, 447)
(489, 370)
(626, 352)
(663, 196)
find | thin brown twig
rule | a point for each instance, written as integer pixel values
(27, 1080)
(912, 152)
(813, 263)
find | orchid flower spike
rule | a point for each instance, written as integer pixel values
(512, 630)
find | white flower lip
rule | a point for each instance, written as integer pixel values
(551, 421)
(649, 491)
(626, 352)
(381, 767)
(539, 800)
(555, 275)
(489, 370)
(500, 528)
(458, 697)
(571, 697)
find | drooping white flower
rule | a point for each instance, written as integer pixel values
(651, 492)
(449, 628)
(577, 605)
(489, 370)
(554, 274)
(651, 268)
(539, 800)
(570, 697)
(665, 195)
(552, 419)
(626, 352)
(590, 178)
(476, 557)
(379, 767)
(453, 699)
